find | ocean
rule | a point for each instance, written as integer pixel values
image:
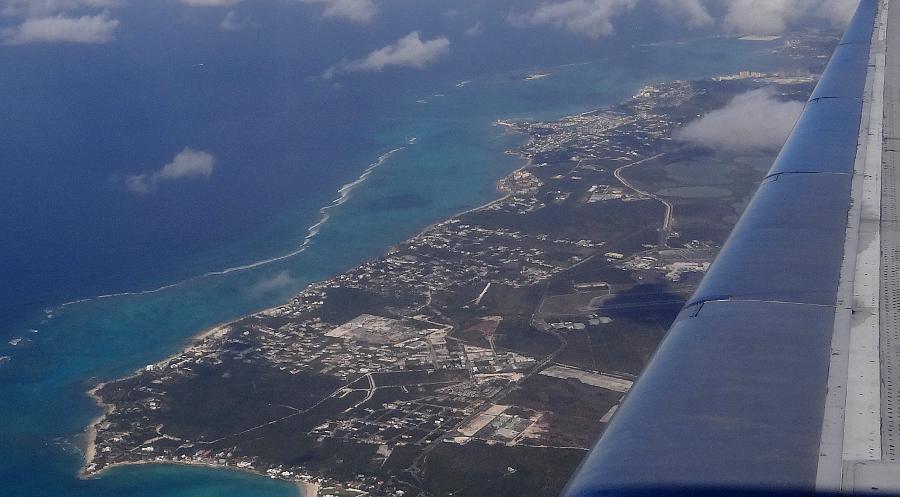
(312, 176)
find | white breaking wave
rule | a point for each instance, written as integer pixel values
(311, 233)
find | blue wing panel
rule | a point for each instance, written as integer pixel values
(732, 402)
(788, 245)
(862, 25)
(824, 139)
(847, 73)
(737, 378)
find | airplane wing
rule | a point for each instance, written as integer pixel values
(781, 375)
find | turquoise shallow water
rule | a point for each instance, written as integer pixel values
(456, 158)
(175, 481)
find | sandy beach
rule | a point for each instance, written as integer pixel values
(308, 489)
(90, 433)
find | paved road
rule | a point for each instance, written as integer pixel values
(666, 230)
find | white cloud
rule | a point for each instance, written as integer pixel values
(140, 183)
(838, 12)
(58, 21)
(209, 3)
(776, 16)
(45, 8)
(409, 51)
(592, 18)
(189, 163)
(233, 22)
(763, 16)
(596, 18)
(755, 121)
(60, 29)
(475, 29)
(359, 11)
(694, 12)
(278, 281)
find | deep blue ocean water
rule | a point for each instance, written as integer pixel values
(77, 119)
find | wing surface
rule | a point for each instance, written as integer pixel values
(756, 388)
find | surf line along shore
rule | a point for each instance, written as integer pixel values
(311, 232)
(306, 483)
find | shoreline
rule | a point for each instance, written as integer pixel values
(304, 487)
(505, 195)
(90, 432)
(308, 488)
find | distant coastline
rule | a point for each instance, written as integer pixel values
(311, 232)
